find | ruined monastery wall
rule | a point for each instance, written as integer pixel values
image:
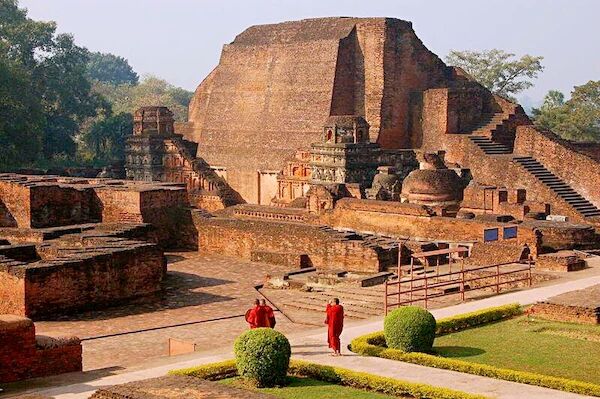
(581, 171)
(243, 238)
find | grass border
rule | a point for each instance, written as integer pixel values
(373, 345)
(336, 375)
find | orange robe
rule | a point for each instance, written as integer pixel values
(335, 325)
(258, 317)
(270, 316)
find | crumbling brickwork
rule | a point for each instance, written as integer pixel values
(24, 355)
(326, 249)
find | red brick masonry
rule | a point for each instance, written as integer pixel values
(24, 355)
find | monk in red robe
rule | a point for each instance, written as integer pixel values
(258, 316)
(335, 325)
(270, 313)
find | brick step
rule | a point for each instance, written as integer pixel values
(375, 291)
(353, 301)
(319, 306)
(559, 186)
(358, 294)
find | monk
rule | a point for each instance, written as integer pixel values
(335, 324)
(257, 316)
(270, 313)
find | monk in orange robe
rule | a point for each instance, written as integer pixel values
(270, 313)
(335, 324)
(258, 316)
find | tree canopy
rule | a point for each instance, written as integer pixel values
(110, 68)
(61, 102)
(578, 118)
(45, 93)
(103, 138)
(497, 70)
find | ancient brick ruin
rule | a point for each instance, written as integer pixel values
(23, 354)
(336, 145)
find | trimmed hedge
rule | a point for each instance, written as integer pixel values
(473, 319)
(410, 328)
(262, 356)
(374, 345)
(335, 375)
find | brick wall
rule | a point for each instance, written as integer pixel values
(579, 170)
(241, 238)
(96, 281)
(409, 220)
(15, 201)
(23, 355)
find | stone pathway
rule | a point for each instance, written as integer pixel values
(310, 346)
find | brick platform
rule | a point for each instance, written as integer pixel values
(582, 306)
(24, 355)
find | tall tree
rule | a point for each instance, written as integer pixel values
(150, 91)
(497, 70)
(109, 68)
(45, 92)
(578, 118)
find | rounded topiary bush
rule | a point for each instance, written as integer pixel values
(409, 328)
(262, 356)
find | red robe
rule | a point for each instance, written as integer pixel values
(258, 317)
(335, 325)
(270, 316)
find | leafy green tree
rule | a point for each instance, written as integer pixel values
(104, 140)
(150, 91)
(110, 68)
(578, 118)
(45, 93)
(497, 70)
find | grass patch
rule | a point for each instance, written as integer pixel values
(551, 348)
(309, 388)
(332, 377)
(523, 350)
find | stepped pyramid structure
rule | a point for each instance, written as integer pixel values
(276, 86)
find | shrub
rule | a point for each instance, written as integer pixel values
(373, 344)
(478, 318)
(263, 356)
(338, 376)
(410, 329)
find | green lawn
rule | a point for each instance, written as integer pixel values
(551, 348)
(307, 388)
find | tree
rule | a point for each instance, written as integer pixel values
(150, 91)
(109, 68)
(45, 93)
(497, 70)
(102, 138)
(578, 118)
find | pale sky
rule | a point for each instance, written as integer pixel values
(181, 40)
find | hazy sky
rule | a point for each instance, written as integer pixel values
(181, 40)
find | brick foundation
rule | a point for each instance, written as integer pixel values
(24, 355)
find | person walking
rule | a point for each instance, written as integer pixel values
(270, 313)
(335, 324)
(257, 316)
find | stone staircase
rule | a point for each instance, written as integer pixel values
(359, 303)
(490, 147)
(489, 123)
(186, 149)
(559, 186)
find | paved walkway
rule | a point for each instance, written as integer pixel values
(310, 346)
